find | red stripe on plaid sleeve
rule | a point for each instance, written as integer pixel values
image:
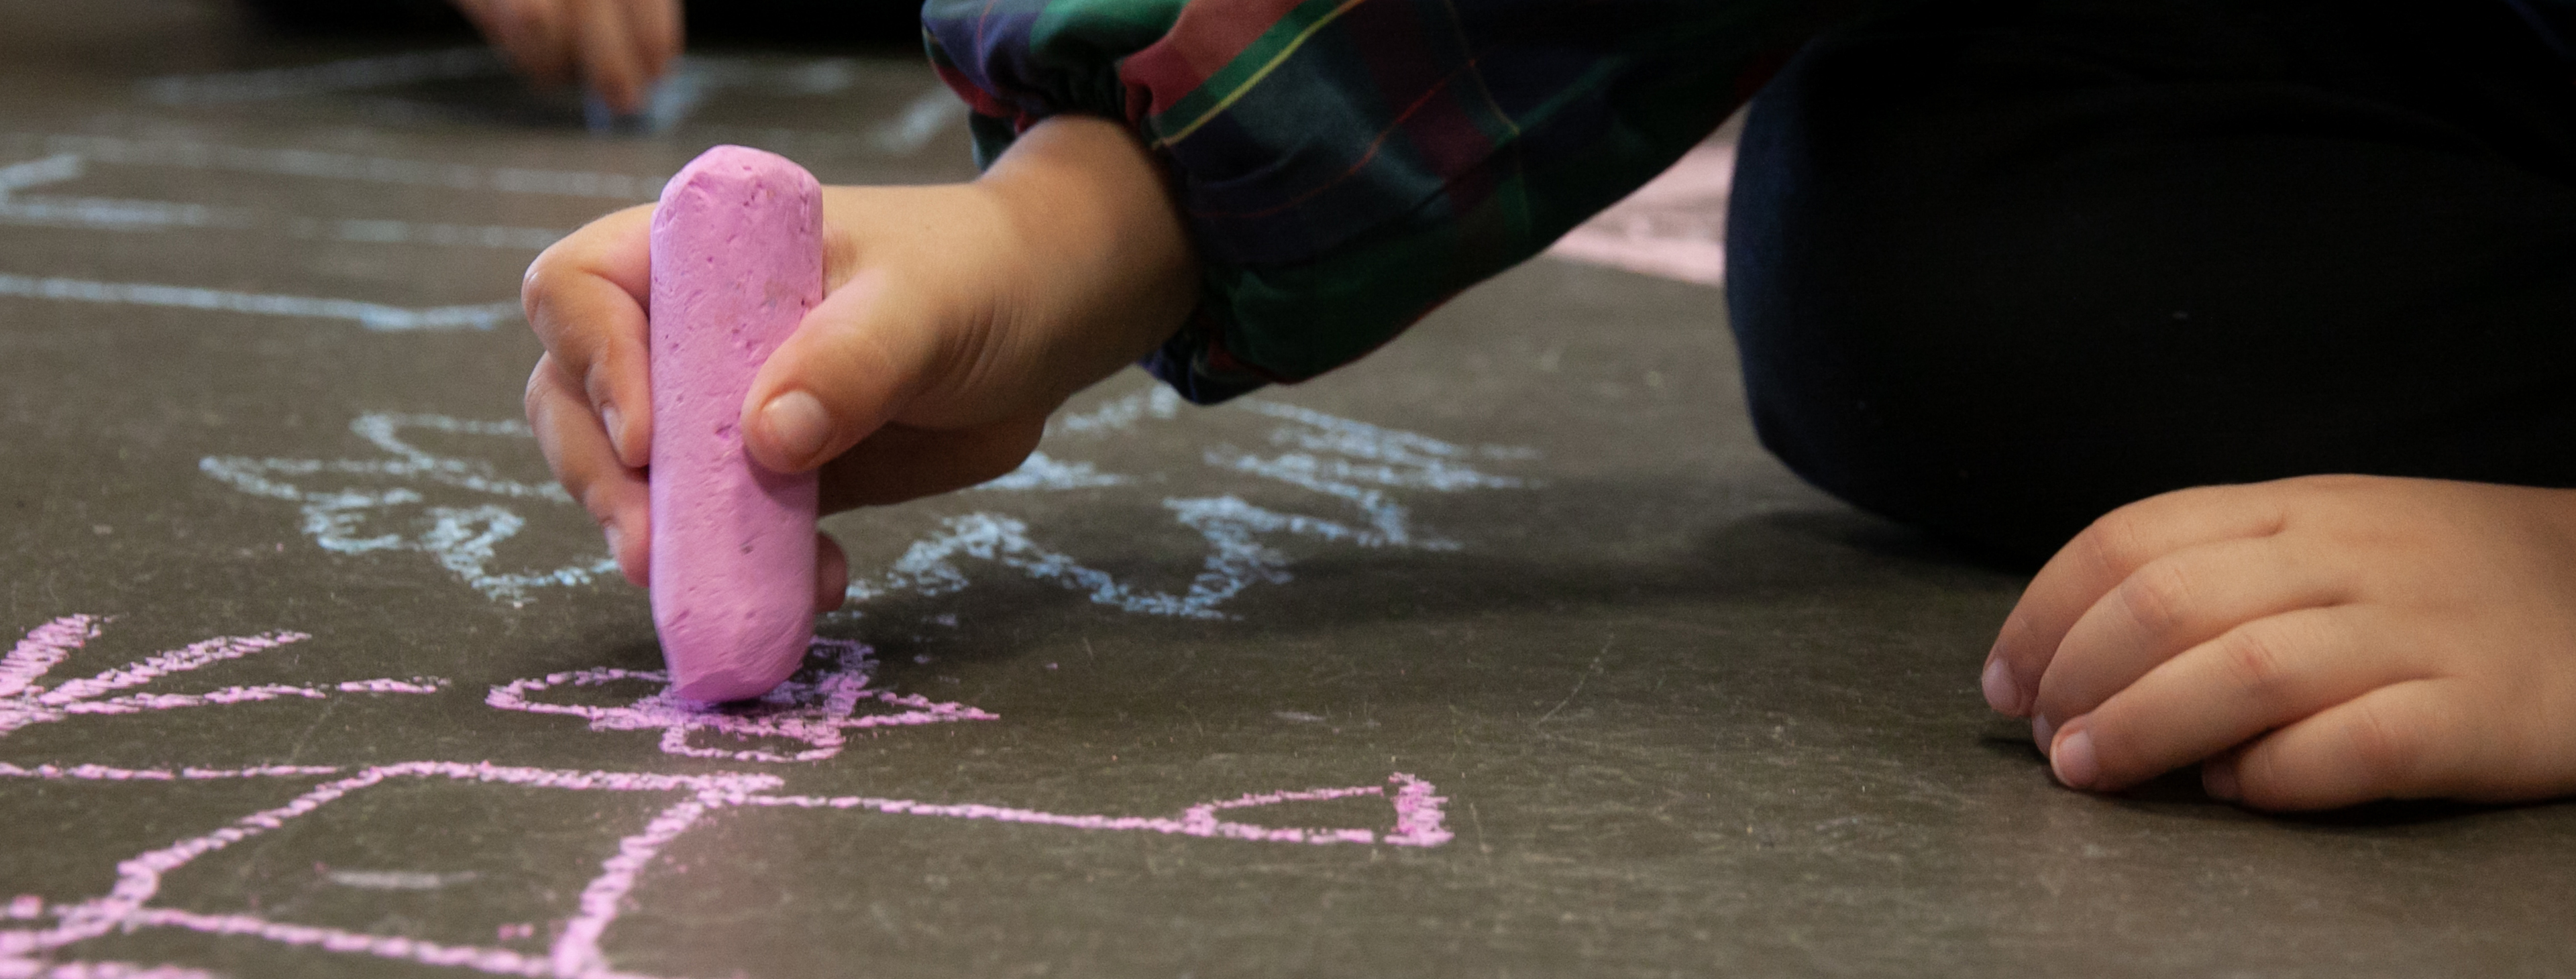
(1209, 35)
(977, 100)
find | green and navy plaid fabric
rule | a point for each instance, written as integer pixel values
(1345, 166)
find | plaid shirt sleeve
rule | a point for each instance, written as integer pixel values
(1345, 166)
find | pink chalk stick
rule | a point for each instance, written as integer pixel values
(737, 260)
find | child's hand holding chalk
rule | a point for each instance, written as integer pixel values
(955, 319)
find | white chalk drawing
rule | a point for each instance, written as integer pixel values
(352, 519)
(332, 165)
(1354, 463)
(25, 701)
(346, 75)
(815, 707)
(689, 82)
(373, 316)
(386, 231)
(934, 111)
(18, 207)
(1043, 472)
(1358, 462)
(117, 214)
(1236, 558)
(37, 935)
(1119, 414)
(798, 77)
(97, 213)
(1356, 467)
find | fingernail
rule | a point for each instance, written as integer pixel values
(2001, 693)
(615, 423)
(2074, 761)
(2042, 733)
(2219, 780)
(797, 426)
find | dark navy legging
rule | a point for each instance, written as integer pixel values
(1997, 267)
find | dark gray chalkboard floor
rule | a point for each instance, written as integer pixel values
(1504, 653)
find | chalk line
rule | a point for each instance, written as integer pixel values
(399, 880)
(328, 165)
(1418, 815)
(92, 212)
(44, 646)
(1235, 559)
(1119, 414)
(577, 951)
(464, 540)
(388, 231)
(35, 173)
(1042, 472)
(816, 706)
(373, 316)
(24, 702)
(108, 773)
(929, 114)
(818, 76)
(1355, 462)
(334, 76)
(689, 81)
(118, 214)
(113, 214)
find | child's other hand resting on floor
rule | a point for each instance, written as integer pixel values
(2312, 642)
(956, 318)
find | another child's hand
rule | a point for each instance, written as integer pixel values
(2311, 642)
(956, 318)
(616, 47)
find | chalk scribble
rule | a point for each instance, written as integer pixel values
(25, 701)
(815, 708)
(1356, 470)
(360, 506)
(1416, 819)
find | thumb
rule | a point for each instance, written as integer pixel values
(852, 364)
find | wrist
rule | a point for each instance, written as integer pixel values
(1111, 271)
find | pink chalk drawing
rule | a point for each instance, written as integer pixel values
(106, 773)
(25, 702)
(577, 951)
(816, 706)
(1673, 227)
(1418, 815)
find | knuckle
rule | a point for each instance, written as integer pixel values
(2254, 660)
(2388, 753)
(2263, 782)
(2116, 543)
(532, 399)
(2159, 597)
(595, 498)
(538, 285)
